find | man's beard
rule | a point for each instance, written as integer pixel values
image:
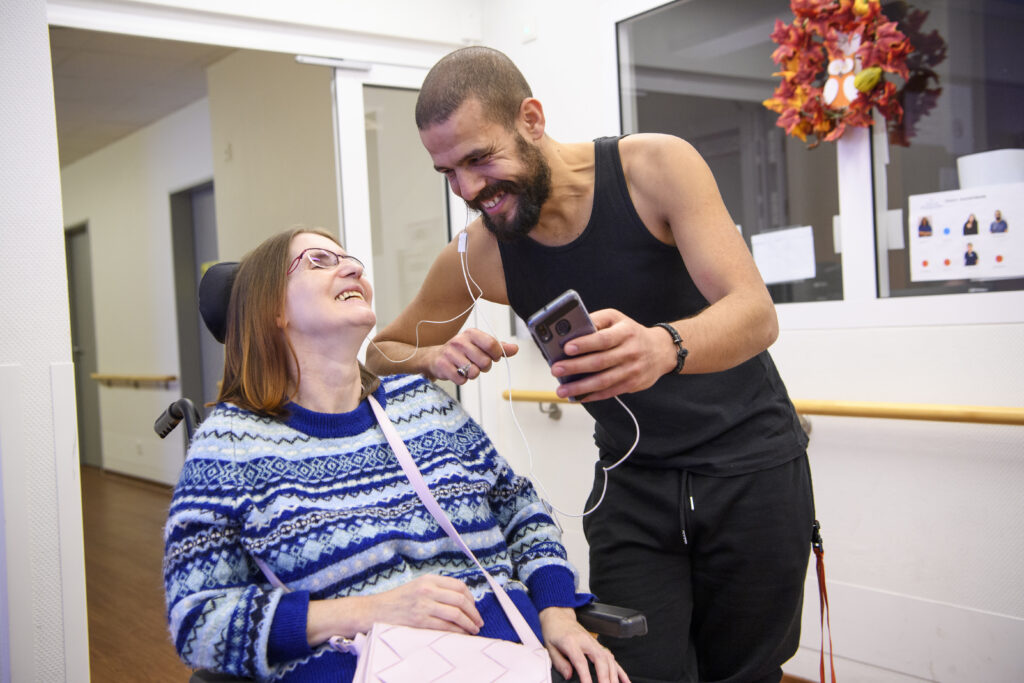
(531, 190)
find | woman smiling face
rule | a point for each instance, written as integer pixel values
(327, 294)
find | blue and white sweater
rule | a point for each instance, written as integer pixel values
(322, 500)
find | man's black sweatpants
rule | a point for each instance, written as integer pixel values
(717, 564)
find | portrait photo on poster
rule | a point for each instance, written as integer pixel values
(967, 233)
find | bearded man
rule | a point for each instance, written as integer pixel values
(706, 528)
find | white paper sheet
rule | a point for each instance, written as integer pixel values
(785, 255)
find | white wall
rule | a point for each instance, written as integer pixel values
(274, 165)
(920, 518)
(43, 623)
(123, 193)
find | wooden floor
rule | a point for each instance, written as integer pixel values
(123, 523)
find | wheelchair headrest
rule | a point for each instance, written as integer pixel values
(214, 295)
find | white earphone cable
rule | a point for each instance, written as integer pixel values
(468, 278)
(475, 297)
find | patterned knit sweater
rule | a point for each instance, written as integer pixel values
(322, 500)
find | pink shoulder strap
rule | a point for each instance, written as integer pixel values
(523, 630)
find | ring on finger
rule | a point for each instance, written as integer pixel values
(464, 370)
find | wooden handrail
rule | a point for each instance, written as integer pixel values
(533, 396)
(895, 411)
(111, 379)
(999, 415)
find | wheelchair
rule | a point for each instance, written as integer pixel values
(214, 294)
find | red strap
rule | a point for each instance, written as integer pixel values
(819, 554)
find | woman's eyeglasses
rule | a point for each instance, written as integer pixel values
(317, 257)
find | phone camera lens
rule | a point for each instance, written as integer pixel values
(562, 327)
(544, 333)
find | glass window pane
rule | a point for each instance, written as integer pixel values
(699, 69)
(957, 153)
(408, 206)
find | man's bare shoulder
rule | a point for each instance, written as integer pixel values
(667, 179)
(652, 162)
(643, 149)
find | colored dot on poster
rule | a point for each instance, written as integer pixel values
(946, 262)
(924, 263)
(999, 258)
(946, 231)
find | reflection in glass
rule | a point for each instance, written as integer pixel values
(959, 142)
(408, 209)
(700, 70)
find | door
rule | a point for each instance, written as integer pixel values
(204, 228)
(83, 344)
(194, 243)
(394, 205)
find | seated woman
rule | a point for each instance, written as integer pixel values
(292, 468)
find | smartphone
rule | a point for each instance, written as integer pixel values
(563, 319)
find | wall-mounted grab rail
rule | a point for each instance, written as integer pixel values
(136, 381)
(895, 411)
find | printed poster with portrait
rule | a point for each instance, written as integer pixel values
(971, 234)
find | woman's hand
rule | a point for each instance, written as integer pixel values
(570, 646)
(437, 602)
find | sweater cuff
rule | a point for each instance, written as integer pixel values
(555, 586)
(287, 640)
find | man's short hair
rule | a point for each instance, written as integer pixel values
(472, 72)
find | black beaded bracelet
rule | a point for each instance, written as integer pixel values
(681, 352)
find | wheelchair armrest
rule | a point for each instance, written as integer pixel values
(609, 620)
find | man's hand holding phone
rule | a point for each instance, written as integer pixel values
(620, 357)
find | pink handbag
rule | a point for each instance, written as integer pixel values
(405, 654)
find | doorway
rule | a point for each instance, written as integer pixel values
(194, 245)
(408, 213)
(395, 206)
(83, 343)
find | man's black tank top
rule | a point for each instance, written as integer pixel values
(732, 422)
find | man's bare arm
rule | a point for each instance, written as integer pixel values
(740, 321)
(677, 198)
(425, 337)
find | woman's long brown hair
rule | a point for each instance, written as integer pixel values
(256, 350)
